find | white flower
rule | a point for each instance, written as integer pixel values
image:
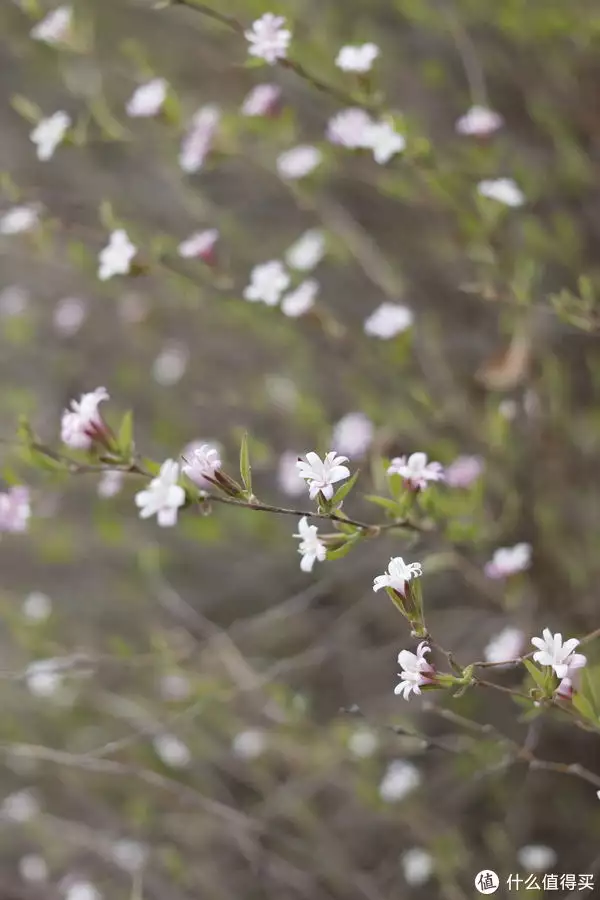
(298, 162)
(288, 477)
(363, 743)
(249, 744)
(388, 320)
(116, 257)
(202, 464)
(268, 281)
(537, 858)
(14, 300)
(385, 142)
(357, 58)
(15, 509)
(147, 100)
(82, 890)
(262, 100)
(509, 561)
(463, 471)
(504, 190)
(175, 687)
(169, 366)
(398, 575)
(130, 855)
(49, 133)
(172, 751)
(353, 434)
(417, 866)
(199, 245)
(110, 484)
(199, 138)
(268, 39)
(508, 408)
(506, 645)
(69, 315)
(416, 470)
(22, 806)
(416, 671)
(321, 474)
(33, 867)
(82, 424)
(311, 546)
(19, 219)
(55, 27)
(307, 252)
(163, 497)
(37, 606)
(479, 121)
(350, 128)
(399, 780)
(299, 301)
(43, 677)
(552, 652)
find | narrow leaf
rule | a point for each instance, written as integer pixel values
(125, 436)
(245, 467)
(538, 677)
(345, 489)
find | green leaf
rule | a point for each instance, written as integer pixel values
(245, 467)
(346, 547)
(125, 435)
(390, 505)
(345, 489)
(538, 677)
(583, 705)
(26, 108)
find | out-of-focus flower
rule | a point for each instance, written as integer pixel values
(350, 128)
(33, 868)
(133, 307)
(479, 121)
(163, 497)
(504, 190)
(416, 671)
(268, 39)
(299, 301)
(298, 162)
(82, 890)
(172, 751)
(110, 484)
(55, 28)
(14, 300)
(22, 806)
(19, 219)
(509, 561)
(321, 474)
(288, 477)
(357, 58)
(175, 687)
(147, 100)
(398, 575)
(44, 677)
(416, 471)
(169, 366)
(268, 281)
(82, 424)
(551, 651)
(388, 320)
(37, 607)
(202, 464)
(199, 138)
(49, 133)
(353, 434)
(307, 252)
(363, 742)
(385, 142)
(311, 546)
(537, 858)
(417, 866)
(15, 509)
(504, 646)
(249, 744)
(200, 245)
(116, 257)
(69, 315)
(400, 779)
(282, 392)
(463, 471)
(263, 100)
(130, 855)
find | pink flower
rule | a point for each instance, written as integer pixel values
(199, 138)
(202, 464)
(463, 471)
(416, 671)
(353, 434)
(82, 424)
(416, 471)
(147, 99)
(15, 509)
(508, 561)
(263, 100)
(350, 128)
(200, 245)
(288, 478)
(268, 39)
(479, 121)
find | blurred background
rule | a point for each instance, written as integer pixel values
(185, 713)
